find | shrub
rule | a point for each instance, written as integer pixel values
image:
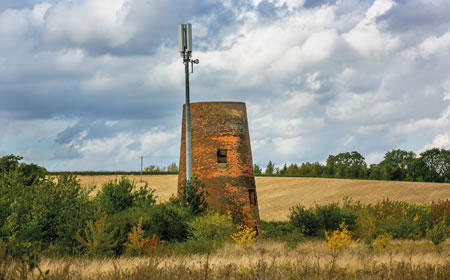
(383, 241)
(124, 221)
(137, 244)
(292, 239)
(213, 228)
(314, 221)
(274, 229)
(192, 195)
(50, 211)
(304, 220)
(366, 226)
(169, 221)
(331, 216)
(118, 195)
(283, 231)
(97, 240)
(441, 211)
(244, 237)
(338, 240)
(438, 233)
(403, 228)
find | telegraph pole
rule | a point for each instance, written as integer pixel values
(142, 159)
(185, 49)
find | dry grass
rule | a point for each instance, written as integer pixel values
(312, 254)
(277, 194)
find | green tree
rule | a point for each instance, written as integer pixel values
(396, 163)
(437, 165)
(270, 168)
(257, 170)
(192, 195)
(173, 167)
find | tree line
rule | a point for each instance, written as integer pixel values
(432, 165)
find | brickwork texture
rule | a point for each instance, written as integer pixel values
(222, 158)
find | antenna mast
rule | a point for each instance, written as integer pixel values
(185, 49)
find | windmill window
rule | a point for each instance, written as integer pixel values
(252, 196)
(221, 156)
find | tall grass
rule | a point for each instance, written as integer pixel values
(265, 260)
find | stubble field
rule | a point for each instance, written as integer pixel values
(276, 195)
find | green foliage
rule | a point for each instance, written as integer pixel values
(257, 170)
(400, 219)
(274, 229)
(346, 165)
(304, 219)
(431, 166)
(440, 210)
(270, 169)
(316, 220)
(438, 233)
(98, 241)
(46, 211)
(169, 221)
(331, 216)
(137, 244)
(193, 196)
(118, 195)
(211, 229)
(293, 238)
(283, 231)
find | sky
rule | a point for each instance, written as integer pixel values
(95, 84)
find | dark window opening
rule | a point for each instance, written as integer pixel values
(252, 197)
(221, 156)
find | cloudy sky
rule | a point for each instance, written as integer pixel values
(95, 84)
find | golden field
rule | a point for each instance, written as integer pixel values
(276, 195)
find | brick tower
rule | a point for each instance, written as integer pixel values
(222, 158)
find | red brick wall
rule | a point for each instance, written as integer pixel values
(231, 186)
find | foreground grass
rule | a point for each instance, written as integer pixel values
(266, 260)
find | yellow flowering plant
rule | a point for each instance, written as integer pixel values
(244, 237)
(337, 240)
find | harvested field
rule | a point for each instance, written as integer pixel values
(277, 194)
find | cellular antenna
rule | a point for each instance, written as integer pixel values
(185, 49)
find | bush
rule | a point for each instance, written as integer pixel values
(331, 216)
(305, 220)
(124, 221)
(314, 221)
(98, 241)
(193, 196)
(47, 212)
(212, 228)
(169, 222)
(244, 237)
(274, 229)
(438, 233)
(118, 195)
(283, 231)
(292, 239)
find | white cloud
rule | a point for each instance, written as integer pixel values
(434, 45)
(367, 38)
(441, 141)
(83, 21)
(317, 80)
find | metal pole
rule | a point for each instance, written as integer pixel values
(142, 158)
(188, 121)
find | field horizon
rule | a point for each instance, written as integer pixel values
(276, 195)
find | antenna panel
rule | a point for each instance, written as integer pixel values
(189, 37)
(181, 38)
